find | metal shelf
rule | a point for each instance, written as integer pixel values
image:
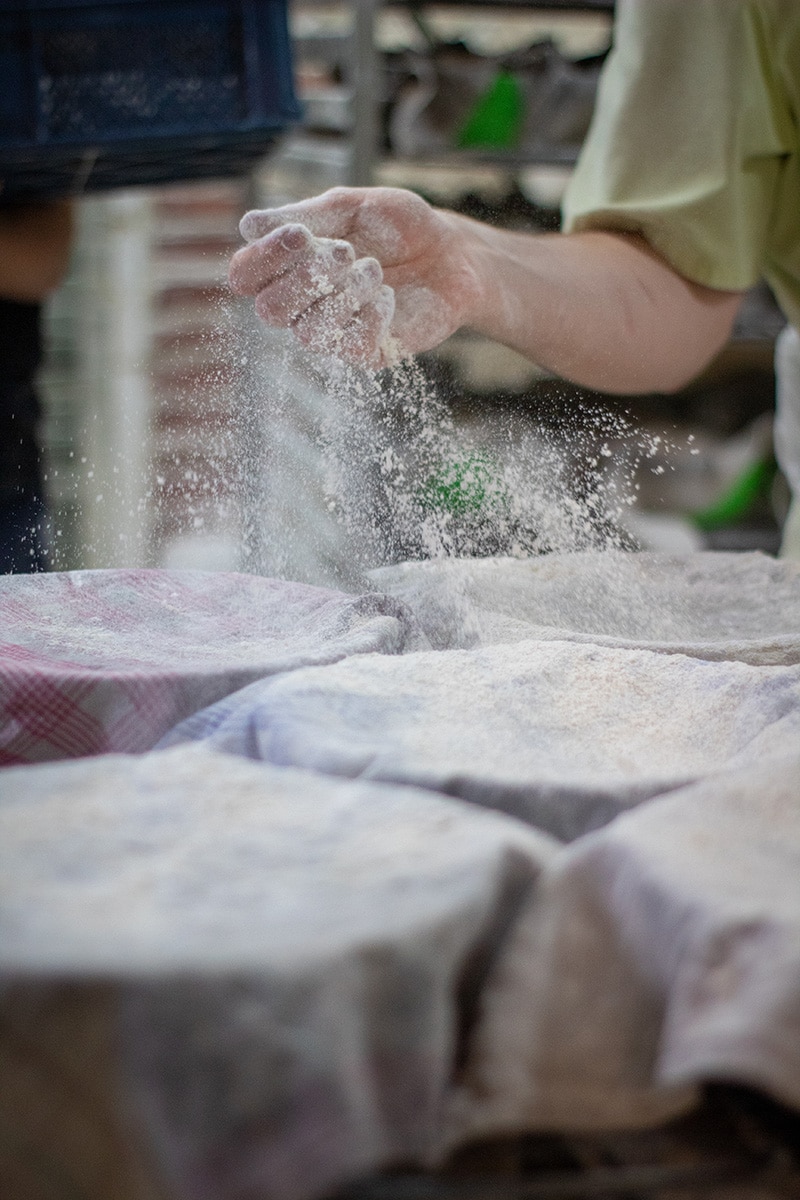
(543, 5)
(365, 68)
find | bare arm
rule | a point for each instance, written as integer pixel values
(347, 268)
(35, 241)
(601, 309)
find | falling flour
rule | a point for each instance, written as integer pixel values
(345, 469)
(411, 483)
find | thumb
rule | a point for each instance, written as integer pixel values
(261, 221)
(329, 215)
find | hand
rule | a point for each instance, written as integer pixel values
(365, 274)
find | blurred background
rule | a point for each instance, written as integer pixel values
(176, 433)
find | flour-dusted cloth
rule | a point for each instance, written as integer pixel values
(657, 954)
(562, 735)
(98, 661)
(298, 962)
(710, 604)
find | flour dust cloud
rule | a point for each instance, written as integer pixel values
(287, 463)
(362, 470)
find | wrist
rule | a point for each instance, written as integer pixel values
(471, 265)
(507, 274)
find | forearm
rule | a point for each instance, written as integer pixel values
(35, 243)
(600, 309)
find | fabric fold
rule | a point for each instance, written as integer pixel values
(562, 735)
(297, 962)
(742, 607)
(96, 662)
(658, 954)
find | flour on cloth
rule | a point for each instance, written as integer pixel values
(711, 605)
(96, 661)
(317, 979)
(657, 954)
(562, 735)
(298, 959)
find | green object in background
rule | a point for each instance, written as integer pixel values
(747, 488)
(471, 486)
(495, 121)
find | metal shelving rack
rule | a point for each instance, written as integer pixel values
(367, 69)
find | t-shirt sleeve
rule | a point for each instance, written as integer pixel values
(688, 138)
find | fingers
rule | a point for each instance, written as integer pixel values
(368, 338)
(335, 303)
(301, 267)
(358, 334)
(358, 287)
(307, 277)
(287, 248)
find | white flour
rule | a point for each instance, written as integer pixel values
(348, 470)
(402, 479)
(710, 605)
(412, 484)
(405, 483)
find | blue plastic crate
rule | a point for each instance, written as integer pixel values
(108, 95)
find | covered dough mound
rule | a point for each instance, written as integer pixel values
(559, 734)
(710, 605)
(296, 961)
(99, 661)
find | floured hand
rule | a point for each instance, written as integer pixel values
(364, 274)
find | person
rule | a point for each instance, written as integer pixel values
(35, 242)
(686, 193)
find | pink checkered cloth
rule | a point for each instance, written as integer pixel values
(94, 662)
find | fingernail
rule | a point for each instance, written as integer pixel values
(343, 253)
(371, 270)
(249, 225)
(295, 237)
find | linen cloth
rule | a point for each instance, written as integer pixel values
(298, 961)
(100, 661)
(561, 735)
(659, 952)
(742, 607)
(319, 977)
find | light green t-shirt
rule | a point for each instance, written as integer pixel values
(695, 141)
